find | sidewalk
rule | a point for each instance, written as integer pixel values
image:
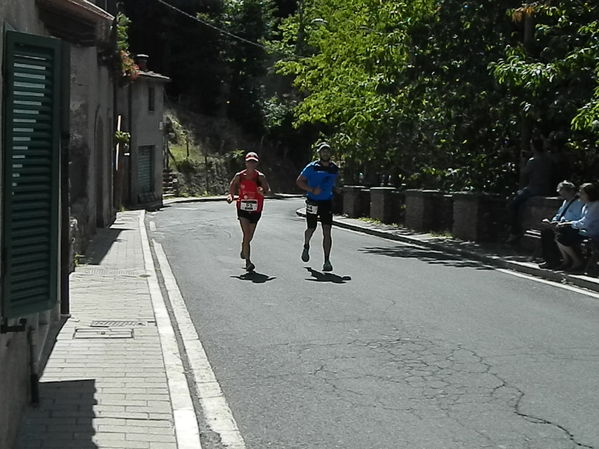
(497, 255)
(106, 384)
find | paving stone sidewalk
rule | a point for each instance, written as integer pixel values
(106, 387)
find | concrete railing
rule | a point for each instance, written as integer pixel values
(356, 201)
(479, 217)
(428, 210)
(386, 204)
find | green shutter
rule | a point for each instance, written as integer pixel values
(31, 181)
(145, 169)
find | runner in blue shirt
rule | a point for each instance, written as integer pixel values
(318, 179)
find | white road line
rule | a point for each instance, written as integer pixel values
(571, 288)
(214, 404)
(186, 424)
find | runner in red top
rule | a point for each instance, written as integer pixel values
(250, 186)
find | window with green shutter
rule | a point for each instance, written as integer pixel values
(31, 178)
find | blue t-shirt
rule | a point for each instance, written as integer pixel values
(317, 174)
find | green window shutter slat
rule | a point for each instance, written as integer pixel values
(30, 179)
(24, 295)
(39, 274)
(26, 284)
(35, 71)
(33, 162)
(36, 81)
(29, 152)
(28, 205)
(29, 258)
(28, 268)
(18, 216)
(20, 61)
(32, 197)
(31, 173)
(40, 110)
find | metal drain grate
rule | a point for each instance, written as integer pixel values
(118, 323)
(91, 332)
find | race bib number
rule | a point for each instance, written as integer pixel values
(249, 205)
(311, 208)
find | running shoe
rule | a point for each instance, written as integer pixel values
(327, 266)
(306, 253)
(249, 266)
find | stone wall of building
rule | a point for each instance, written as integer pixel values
(91, 154)
(14, 350)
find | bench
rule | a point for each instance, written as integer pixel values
(532, 213)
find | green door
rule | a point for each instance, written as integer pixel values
(145, 169)
(31, 181)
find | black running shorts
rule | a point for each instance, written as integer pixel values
(325, 212)
(252, 217)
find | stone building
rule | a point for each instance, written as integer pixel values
(140, 168)
(57, 131)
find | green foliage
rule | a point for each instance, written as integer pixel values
(127, 67)
(252, 20)
(555, 80)
(436, 92)
(122, 137)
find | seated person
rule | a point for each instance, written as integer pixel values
(571, 233)
(570, 210)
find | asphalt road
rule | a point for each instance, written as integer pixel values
(400, 347)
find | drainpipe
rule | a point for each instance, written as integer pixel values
(65, 216)
(132, 140)
(33, 376)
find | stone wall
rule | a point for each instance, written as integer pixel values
(14, 349)
(91, 180)
(21, 16)
(356, 201)
(478, 217)
(428, 210)
(90, 148)
(386, 204)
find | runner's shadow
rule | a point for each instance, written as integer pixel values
(327, 277)
(256, 278)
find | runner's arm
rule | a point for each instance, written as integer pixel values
(233, 188)
(264, 185)
(302, 183)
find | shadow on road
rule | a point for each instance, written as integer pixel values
(326, 277)
(256, 278)
(426, 255)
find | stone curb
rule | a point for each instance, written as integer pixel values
(496, 261)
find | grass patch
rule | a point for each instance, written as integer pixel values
(444, 234)
(370, 220)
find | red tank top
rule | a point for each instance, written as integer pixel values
(249, 199)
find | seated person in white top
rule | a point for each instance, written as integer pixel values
(571, 233)
(570, 210)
